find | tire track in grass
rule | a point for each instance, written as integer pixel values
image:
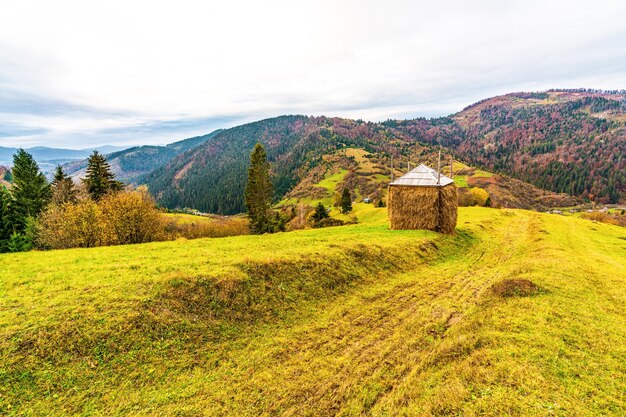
(364, 342)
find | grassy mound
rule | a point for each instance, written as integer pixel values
(352, 320)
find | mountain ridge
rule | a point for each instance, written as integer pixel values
(542, 138)
(131, 164)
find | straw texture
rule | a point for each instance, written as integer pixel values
(430, 208)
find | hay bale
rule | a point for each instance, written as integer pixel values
(430, 208)
(413, 207)
(448, 206)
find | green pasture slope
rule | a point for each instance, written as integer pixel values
(353, 320)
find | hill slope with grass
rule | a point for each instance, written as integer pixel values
(563, 141)
(519, 313)
(367, 176)
(303, 151)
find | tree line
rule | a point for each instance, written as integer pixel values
(62, 214)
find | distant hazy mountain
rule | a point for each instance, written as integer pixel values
(131, 164)
(46, 156)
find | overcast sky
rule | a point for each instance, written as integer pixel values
(82, 73)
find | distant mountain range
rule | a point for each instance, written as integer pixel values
(131, 164)
(571, 141)
(564, 141)
(47, 158)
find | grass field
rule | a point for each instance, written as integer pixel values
(352, 320)
(183, 218)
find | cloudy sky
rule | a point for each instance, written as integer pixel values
(83, 73)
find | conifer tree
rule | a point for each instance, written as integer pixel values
(259, 192)
(320, 213)
(346, 201)
(6, 223)
(30, 189)
(100, 180)
(63, 190)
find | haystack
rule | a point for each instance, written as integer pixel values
(423, 199)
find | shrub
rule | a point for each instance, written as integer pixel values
(300, 217)
(605, 218)
(72, 225)
(220, 227)
(19, 242)
(131, 217)
(120, 218)
(465, 198)
(328, 222)
(480, 196)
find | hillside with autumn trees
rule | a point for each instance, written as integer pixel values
(565, 141)
(570, 141)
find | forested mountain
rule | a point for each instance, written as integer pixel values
(212, 176)
(132, 163)
(570, 141)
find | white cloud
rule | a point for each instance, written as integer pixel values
(145, 61)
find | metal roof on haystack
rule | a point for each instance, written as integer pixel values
(423, 176)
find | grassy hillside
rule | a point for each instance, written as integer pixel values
(367, 174)
(353, 320)
(564, 141)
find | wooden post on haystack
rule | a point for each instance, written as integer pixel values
(451, 175)
(439, 168)
(408, 166)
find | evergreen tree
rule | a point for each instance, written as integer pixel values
(30, 189)
(320, 213)
(346, 201)
(6, 220)
(99, 179)
(63, 190)
(259, 192)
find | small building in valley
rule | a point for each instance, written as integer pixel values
(423, 199)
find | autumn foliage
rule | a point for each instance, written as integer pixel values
(117, 219)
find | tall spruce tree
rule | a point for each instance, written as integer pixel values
(63, 190)
(6, 220)
(30, 189)
(346, 201)
(259, 192)
(99, 179)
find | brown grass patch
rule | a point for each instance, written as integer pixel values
(515, 288)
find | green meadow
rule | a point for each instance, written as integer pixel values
(351, 320)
